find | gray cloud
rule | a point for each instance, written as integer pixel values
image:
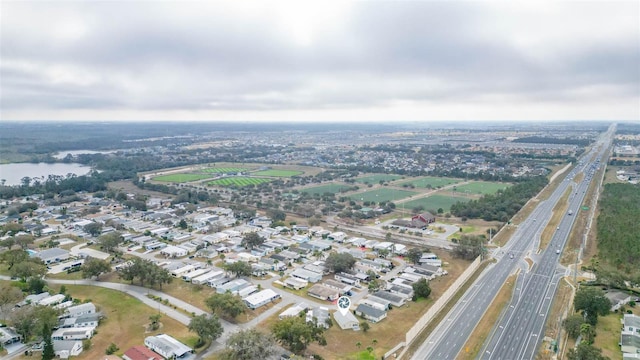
(205, 57)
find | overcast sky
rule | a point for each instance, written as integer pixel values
(321, 60)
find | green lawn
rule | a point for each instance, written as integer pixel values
(224, 170)
(431, 182)
(181, 178)
(238, 181)
(382, 194)
(481, 187)
(279, 173)
(375, 178)
(329, 188)
(434, 202)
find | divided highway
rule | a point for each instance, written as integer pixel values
(518, 334)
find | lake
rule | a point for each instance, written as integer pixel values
(13, 173)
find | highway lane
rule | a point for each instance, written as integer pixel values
(518, 334)
(449, 337)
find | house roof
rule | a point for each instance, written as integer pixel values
(370, 311)
(51, 253)
(140, 352)
(345, 321)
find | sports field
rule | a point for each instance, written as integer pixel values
(181, 178)
(433, 202)
(375, 178)
(238, 181)
(279, 173)
(224, 170)
(481, 187)
(431, 181)
(382, 194)
(329, 188)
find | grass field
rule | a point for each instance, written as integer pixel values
(329, 188)
(382, 194)
(374, 179)
(224, 170)
(481, 187)
(238, 181)
(125, 320)
(181, 178)
(430, 181)
(279, 173)
(434, 202)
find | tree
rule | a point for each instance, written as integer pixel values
(239, 268)
(383, 253)
(414, 255)
(249, 344)
(9, 296)
(36, 285)
(252, 240)
(276, 215)
(24, 241)
(469, 247)
(95, 229)
(421, 289)
(146, 271)
(365, 326)
(588, 333)
(208, 327)
(110, 242)
(12, 257)
(592, 302)
(572, 325)
(155, 321)
(93, 267)
(23, 320)
(182, 224)
(296, 333)
(32, 267)
(585, 351)
(340, 262)
(112, 348)
(226, 305)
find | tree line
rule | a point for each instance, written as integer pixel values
(502, 205)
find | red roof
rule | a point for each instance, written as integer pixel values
(140, 352)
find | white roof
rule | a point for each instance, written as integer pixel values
(261, 296)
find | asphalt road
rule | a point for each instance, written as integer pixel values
(518, 332)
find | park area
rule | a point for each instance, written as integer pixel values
(224, 170)
(382, 194)
(433, 202)
(481, 187)
(238, 181)
(329, 188)
(181, 178)
(279, 173)
(376, 178)
(431, 182)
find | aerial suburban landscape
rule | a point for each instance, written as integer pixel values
(203, 243)
(284, 180)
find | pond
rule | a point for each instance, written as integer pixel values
(12, 174)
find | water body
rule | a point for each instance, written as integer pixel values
(63, 154)
(13, 173)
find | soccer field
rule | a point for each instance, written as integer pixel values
(181, 178)
(481, 187)
(433, 202)
(431, 181)
(238, 181)
(279, 173)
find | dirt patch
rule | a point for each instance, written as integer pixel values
(128, 187)
(485, 325)
(504, 235)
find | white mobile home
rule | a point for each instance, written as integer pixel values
(188, 277)
(204, 278)
(261, 298)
